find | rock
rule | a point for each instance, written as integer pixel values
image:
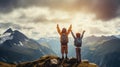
(85, 63)
(72, 60)
(53, 61)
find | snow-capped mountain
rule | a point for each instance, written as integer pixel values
(16, 47)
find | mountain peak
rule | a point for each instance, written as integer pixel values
(9, 30)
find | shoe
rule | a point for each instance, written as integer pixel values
(66, 57)
(78, 61)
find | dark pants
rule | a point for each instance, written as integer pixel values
(78, 54)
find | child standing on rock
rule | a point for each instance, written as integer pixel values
(78, 44)
(64, 39)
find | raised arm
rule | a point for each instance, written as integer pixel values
(73, 34)
(82, 34)
(58, 29)
(69, 30)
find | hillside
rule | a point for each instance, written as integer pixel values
(104, 54)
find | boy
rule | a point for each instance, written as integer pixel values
(78, 44)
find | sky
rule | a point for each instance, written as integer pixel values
(38, 18)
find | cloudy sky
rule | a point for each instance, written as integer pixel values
(38, 18)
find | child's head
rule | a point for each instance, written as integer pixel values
(64, 30)
(78, 35)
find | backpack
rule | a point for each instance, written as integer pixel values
(78, 42)
(64, 38)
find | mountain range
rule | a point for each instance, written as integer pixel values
(15, 47)
(102, 50)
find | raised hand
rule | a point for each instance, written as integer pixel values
(57, 25)
(83, 30)
(71, 26)
(58, 29)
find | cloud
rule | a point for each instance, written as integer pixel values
(7, 25)
(35, 15)
(45, 20)
(104, 9)
(12, 25)
(7, 5)
(95, 30)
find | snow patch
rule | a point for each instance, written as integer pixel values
(45, 45)
(26, 40)
(21, 44)
(3, 59)
(15, 44)
(5, 37)
(41, 51)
